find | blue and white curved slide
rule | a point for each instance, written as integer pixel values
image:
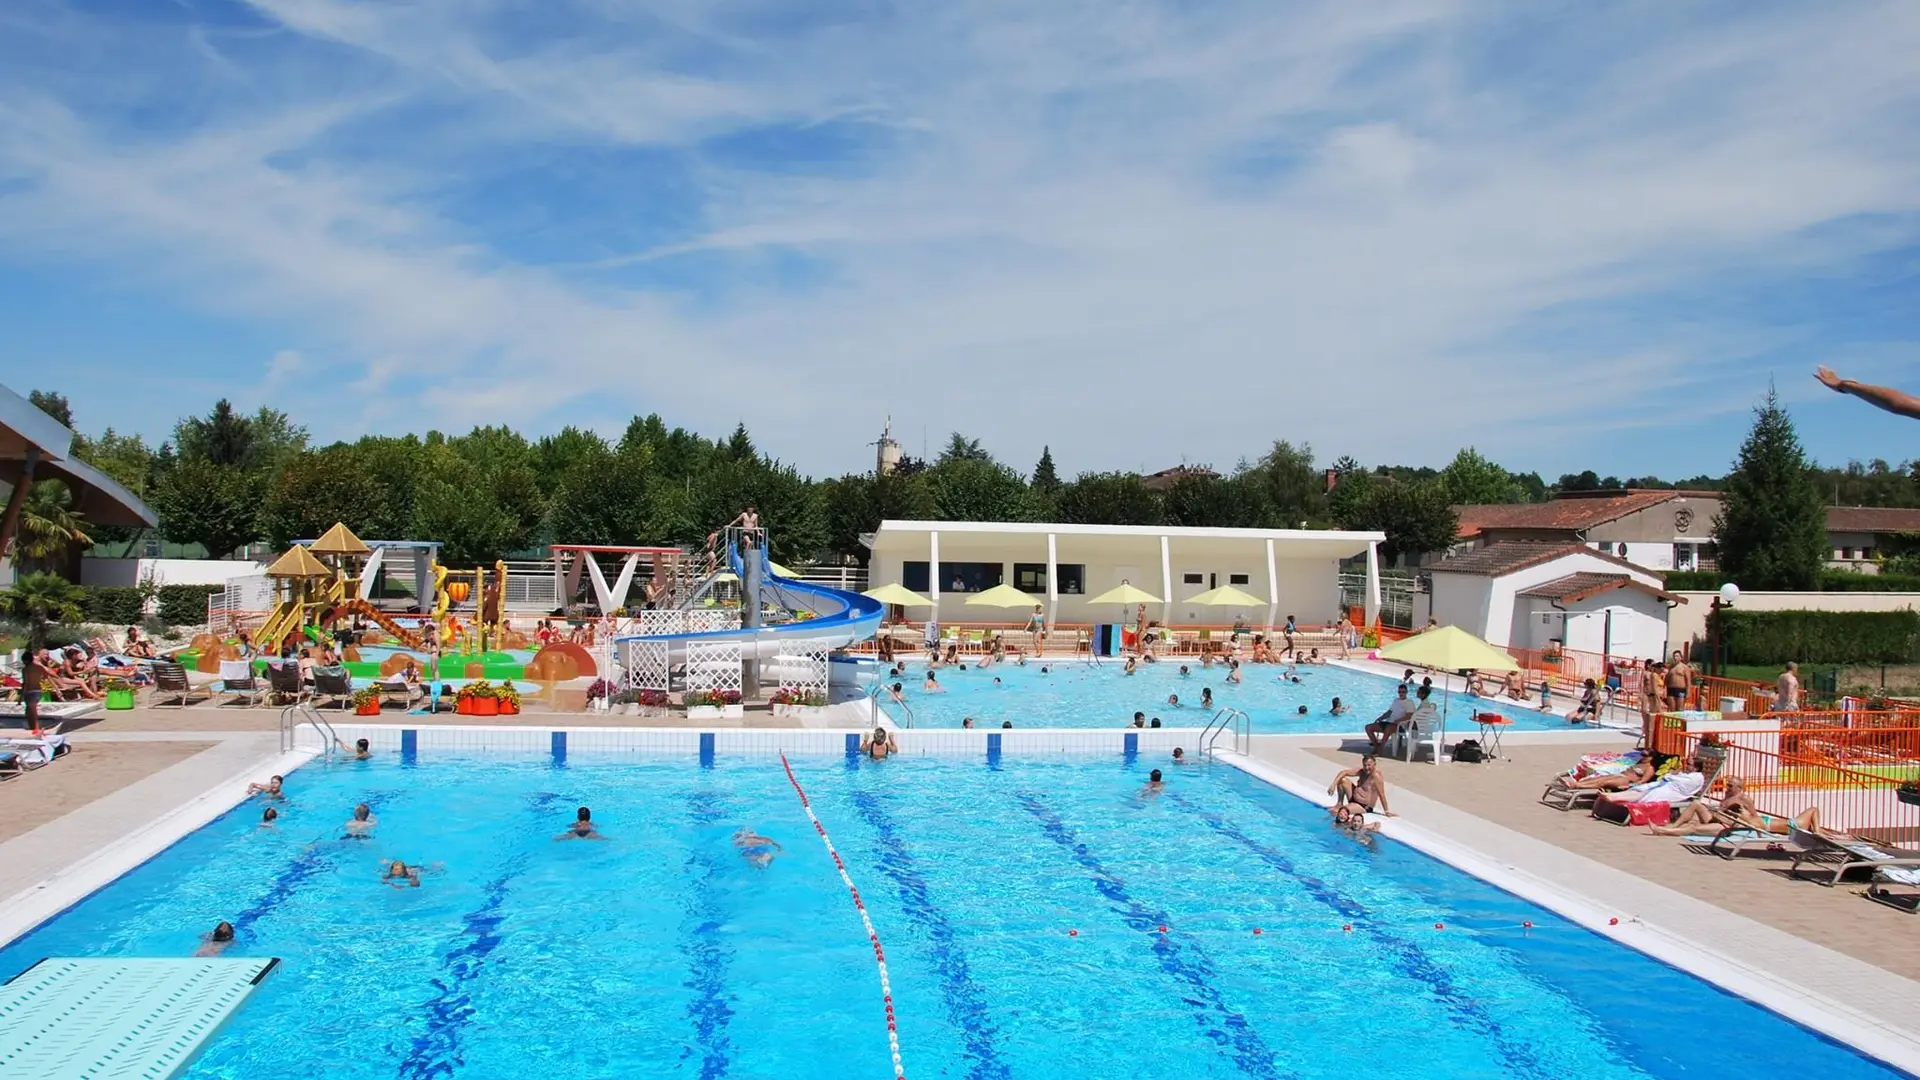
(840, 618)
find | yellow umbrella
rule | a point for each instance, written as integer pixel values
(1449, 648)
(1125, 593)
(1226, 596)
(1002, 596)
(896, 593)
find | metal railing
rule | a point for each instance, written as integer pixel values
(873, 703)
(303, 712)
(1863, 800)
(1227, 721)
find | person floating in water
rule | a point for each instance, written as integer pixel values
(215, 941)
(1154, 784)
(756, 849)
(401, 876)
(582, 827)
(360, 826)
(878, 745)
(269, 817)
(272, 789)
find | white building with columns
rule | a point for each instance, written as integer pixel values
(1295, 571)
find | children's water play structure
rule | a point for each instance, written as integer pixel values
(721, 621)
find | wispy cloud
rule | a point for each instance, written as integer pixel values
(1386, 228)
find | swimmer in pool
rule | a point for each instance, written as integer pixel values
(582, 827)
(1173, 700)
(756, 849)
(215, 941)
(1233, 671)
(966, 721)
(1130, 665)
(878, 745)
(1302, 711)
(1154, 784)
(361, 751)
(360, 826)
(996, 680)
(271, 789)
(1179, 756)
(267, 819)
(401, 876)
(932, 685)
(898, 695)
(1043, 669)
(1340, 708)
(1206, 697)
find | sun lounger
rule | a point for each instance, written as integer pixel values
(396, 689)
(11, 765)
(284, 684)
(238, 679)
(1905, 879)
(1562, 797)
(170, 680)
(332, 686)
(1844, 853)
(30, 753)
(1731, 843)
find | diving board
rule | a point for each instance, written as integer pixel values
(72, 1018)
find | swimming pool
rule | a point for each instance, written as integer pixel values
(1020, 904)
(1076, 694)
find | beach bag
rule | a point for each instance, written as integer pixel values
(1469, 750)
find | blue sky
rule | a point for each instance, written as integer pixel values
(1141, 232)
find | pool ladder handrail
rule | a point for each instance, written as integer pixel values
(873, 701)
(303, 712)
(1227, 720)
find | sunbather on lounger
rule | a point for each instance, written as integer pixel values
(1676, 787)
(1734, 814)
(1640, 772)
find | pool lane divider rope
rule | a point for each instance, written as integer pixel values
(879, 954)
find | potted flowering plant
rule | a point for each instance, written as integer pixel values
(795, 702)
(119, 694)
(366, 701)
(714, 704)
(651, 702)
(1711, 751)
(509, 697)
(600, 694)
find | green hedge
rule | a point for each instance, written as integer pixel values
(115, 605)
(185, 605)
(1820, 637)
(1830, 581)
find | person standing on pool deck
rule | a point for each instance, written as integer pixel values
(582, 827)
(1678, 681)
(1786, 689)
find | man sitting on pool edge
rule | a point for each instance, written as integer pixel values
(1361, 790)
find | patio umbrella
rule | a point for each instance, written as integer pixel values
(898, 594)
(1127, 594)
(1226, 596)
(1002, 596)
(1448, 648)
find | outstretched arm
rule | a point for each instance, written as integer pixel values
(1894, 401)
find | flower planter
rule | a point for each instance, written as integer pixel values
(119, 699)
(703, 712)
(807, 712)
(631, 708)
(486, 706)
(509, 708)
(463, 706)
(371, 708)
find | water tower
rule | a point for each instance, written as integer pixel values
(887, 456)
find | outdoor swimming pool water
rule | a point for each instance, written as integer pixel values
(1076, 694)
(661, 952)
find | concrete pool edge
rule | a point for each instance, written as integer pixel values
(1872, 1036)
(27, 909)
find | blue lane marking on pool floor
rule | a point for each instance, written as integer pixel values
(436, 1052)
(1409, 958)
(706, 749)
(708, 956)
(559, 744)
(1185, 961)
(409, 746)
(966, 1002)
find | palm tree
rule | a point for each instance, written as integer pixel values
(41, 599)
(48, 523)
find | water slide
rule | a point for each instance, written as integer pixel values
(410, 638)
(839, 619)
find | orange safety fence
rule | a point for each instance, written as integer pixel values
(1862, 800)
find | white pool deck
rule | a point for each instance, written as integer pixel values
(48, 869)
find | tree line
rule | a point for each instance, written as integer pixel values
(229, 479)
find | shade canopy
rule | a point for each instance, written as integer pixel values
(339, 540)
(1449, 648)
(896, 593)
(1125, 593)
(1003, 596)
(298, 562)
(1225, 596)
(99, 498)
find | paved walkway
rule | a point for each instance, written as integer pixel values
(1830, 943)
